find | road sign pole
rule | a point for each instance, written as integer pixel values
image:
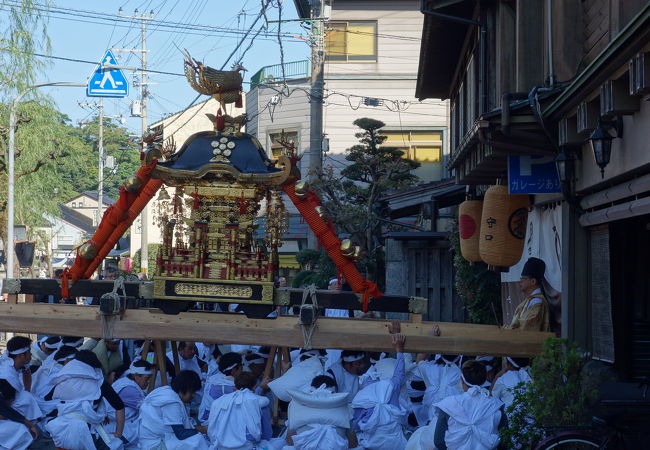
(144, 236)
(100, 147)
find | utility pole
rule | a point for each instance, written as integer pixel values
(144, 95)
(315, 160)
(102, 157)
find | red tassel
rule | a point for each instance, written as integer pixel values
(221, 121)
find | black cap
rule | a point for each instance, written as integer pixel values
(534, 268)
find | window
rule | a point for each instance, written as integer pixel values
(289, 136)
(351, 41)
(423, 146)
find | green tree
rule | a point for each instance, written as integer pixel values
(352, 200)
(561, 394)
(23, 32)
(116, 144)
(47, 147)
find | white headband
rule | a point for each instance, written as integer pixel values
(54, 346)
(20, 351)
(76, 343)
(256, 361)
(517, 366)
(353, 358)
(63, 358)
(230, 367)
(138, 370)
(43, 339)
(462, 377)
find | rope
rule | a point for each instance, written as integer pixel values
(110, 306)
(308, 315)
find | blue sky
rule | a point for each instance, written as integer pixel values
(76, 33)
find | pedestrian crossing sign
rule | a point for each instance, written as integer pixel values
(107, 82)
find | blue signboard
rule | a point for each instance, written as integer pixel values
(532, 175)
(107, 82)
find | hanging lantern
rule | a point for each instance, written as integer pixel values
(469, 224)
(503, 227)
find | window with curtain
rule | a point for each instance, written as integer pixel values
(351, 41)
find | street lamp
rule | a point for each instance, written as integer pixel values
(601, 141)
(10, 167)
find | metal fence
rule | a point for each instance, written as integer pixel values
(270, 74)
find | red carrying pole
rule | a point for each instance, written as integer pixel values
(146, 194)
(327, 237)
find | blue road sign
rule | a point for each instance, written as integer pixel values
(532, 175)
(107, 82)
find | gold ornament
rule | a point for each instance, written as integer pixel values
(321, 212)
(358, 253)
(347, 248)
(87, 251)
(133, 184)
(302, 189)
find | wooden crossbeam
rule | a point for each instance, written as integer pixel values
(343, 333)
(282, 296)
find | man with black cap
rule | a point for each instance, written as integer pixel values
(533, 313)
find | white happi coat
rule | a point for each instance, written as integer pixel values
(42, 384)
(38, 355)
(161, 409)
(25, 402)
(131, 419)
(346, 381)
(77, 386)
(14, 435)
(216, 379)
(441, 380)
(506, 383)
(474, 418)
(422, 438)
(383, 429)
(234, 416)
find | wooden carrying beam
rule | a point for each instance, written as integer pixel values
(342, 333)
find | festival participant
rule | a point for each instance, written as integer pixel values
(42, 349)
(16, 371)
(469, 421)
(188, 360)
(318, 417)
(417, 412)
(16, 432)
(42, 381)
(221, 383)
(377, 413)
(138, 347)
(442, 378)
(164, 420)
(131, 389)
(489, 362)
(240, 420)
(207, 351)
(533, 313)
(346, 371)
(72, 341)
(517, 371)
(112, 355)
(80, 388)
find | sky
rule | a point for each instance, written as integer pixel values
(84, 30)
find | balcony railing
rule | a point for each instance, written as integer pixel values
(292, 70)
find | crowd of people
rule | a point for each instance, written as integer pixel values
(87, 394)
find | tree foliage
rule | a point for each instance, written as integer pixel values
(23, 32)
(352, 199)
(561, 394)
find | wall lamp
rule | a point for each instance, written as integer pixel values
(601, 141)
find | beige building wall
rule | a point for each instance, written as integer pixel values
(391, 77)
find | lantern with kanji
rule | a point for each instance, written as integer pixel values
(469, 224)
(503, 227)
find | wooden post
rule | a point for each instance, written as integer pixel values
(152, 381)
(177, 362)
(145, 349)
(160, 359)
(269, 362)
(12, 299)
